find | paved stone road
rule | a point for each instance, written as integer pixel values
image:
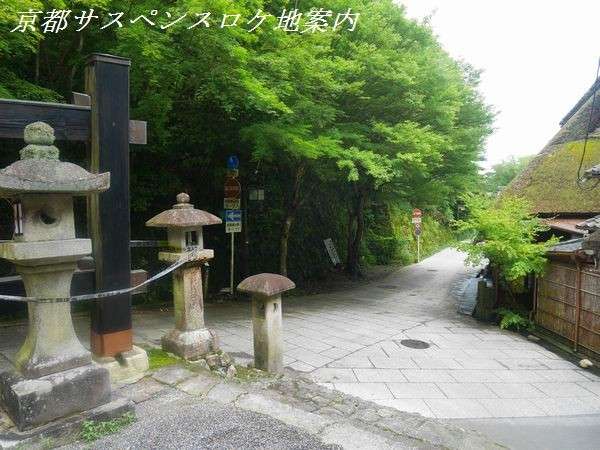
(351, 340)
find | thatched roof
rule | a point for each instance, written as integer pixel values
(550, 180)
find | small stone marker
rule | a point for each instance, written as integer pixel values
(190, 339)
(266, 290)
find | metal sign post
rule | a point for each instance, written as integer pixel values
(416, 220)
(233, 213)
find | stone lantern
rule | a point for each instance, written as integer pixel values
(190, 339)
(54, 374)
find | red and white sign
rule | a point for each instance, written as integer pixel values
(233, 188)
(416, 216)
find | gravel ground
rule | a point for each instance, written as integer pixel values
(177, 421)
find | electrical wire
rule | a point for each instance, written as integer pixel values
(580, 179)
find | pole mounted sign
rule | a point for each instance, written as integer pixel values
(233, 221)
(233, 212)
(416, 220)
(416, 216)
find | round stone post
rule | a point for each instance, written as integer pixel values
(266, 290)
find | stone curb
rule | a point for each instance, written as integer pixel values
(335, 417)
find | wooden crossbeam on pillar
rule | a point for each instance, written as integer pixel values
(107, 84)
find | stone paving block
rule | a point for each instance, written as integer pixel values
(466, 390)
(329, 374)
(558, 390)
(562, 375)
(567, 406)
(522, 363)
(225, 393)
(520, 376)
(142, 390)
(523, 354)
(172, 375)
(591, 386)
(435, 363)
(286, 360)
(516, 390)
(308, 421)
(557, 363)
(427, 375)
(198, 385)
(309, 357)
(335, 353)
(480, 364)
(366, 391)
(457, 408)
(393, 363)
(301, 366)
(350, 437)
(415, 390)
(502, 407)
(310, 344)
(589, 375)
(379, 375)
(351, 361)
(412, 405)
(485, 354)
(473, 375)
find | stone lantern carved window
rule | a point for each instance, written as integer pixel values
(18, 214)
(191, 239)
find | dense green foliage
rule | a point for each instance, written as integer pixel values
(340, 128)
(505, 234)
(510, 320)
(503, 173)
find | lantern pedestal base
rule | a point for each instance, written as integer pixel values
(36, 401)
(191, 344)
(59, 429)
(126, 367)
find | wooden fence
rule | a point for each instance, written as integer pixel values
(567, 303)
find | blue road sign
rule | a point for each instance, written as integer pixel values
(233, 220)
(233, 215)
(233, 162)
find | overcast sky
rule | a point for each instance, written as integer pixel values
(538, 58)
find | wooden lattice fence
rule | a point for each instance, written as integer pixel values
(568, 304)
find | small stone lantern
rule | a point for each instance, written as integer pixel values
(54, 375)
(266, 290)
(190, 339)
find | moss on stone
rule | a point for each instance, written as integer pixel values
(550, 182)
(251, 374)
(158, 358)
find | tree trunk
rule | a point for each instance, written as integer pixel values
(356, 234)
(293, 201)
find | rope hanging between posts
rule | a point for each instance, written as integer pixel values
(191, 256)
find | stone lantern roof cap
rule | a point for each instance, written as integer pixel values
(266, 284)
(183, 215)
(40, 171)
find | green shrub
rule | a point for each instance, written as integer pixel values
(505, 234)
(510, 320)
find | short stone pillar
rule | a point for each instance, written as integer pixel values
(190, 339)
(54, 375)
(266, 289)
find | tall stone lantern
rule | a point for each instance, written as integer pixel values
(190, 339)
(54, 374)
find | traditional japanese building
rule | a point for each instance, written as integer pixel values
(549, 183)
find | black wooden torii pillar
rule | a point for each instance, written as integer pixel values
(100, 118)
